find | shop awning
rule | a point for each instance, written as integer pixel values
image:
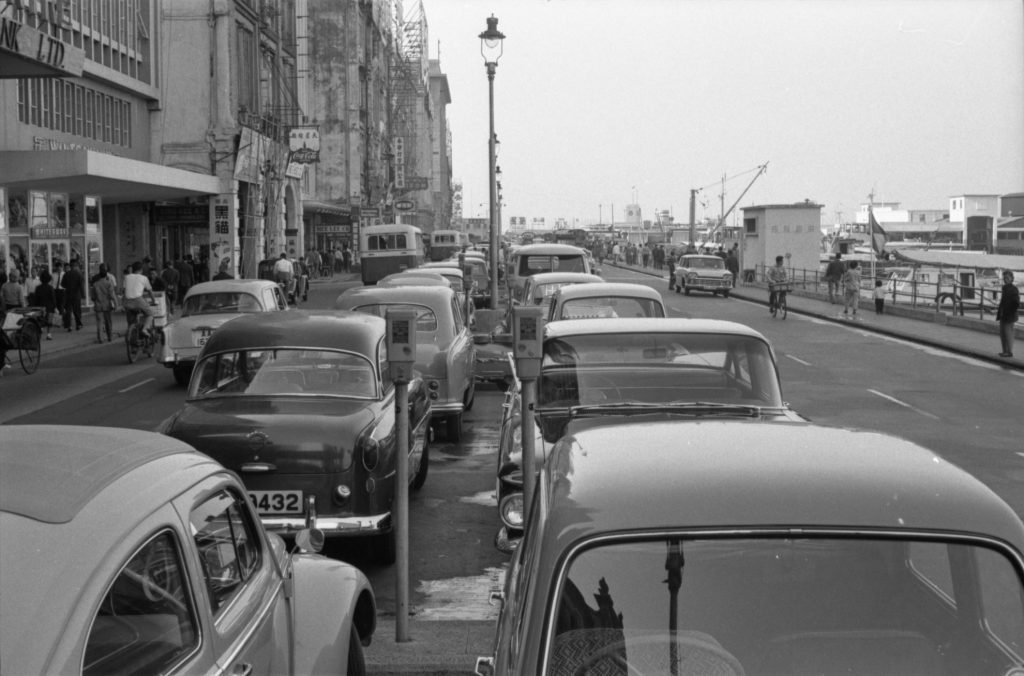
(114, 179)
(318, 207)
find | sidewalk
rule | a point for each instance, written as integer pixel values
(963, 335)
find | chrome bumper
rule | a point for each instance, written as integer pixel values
(331, 527)
(445, 409)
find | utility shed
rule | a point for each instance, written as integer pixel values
(790, 230)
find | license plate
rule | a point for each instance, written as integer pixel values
(276, 502)
(199, 339)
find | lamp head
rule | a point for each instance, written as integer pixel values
(490, 41)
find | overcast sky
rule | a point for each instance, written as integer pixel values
(598, 102)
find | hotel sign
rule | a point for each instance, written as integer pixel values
(27, 51)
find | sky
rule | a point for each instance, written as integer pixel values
(601, 103)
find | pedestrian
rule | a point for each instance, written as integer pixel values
(58, 291)
(30, 287)
(851, 288)
(186, 278)
(346, 258)
(879, 296)
(616, 252)
(224, 271)
(12, 293)
(171, 278)
(104, 299)
(74, 294)
(47, 299)
(1007, 313)
(732, 264)
(834, 276)
(313, 263)
(646, 255)
(339, 259)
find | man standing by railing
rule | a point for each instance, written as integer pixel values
(1009, 305)
(834, 276)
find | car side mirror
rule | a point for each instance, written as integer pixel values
(310, 540)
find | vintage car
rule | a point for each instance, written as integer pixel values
(127, 552)
(605, 301)
(539, 289)
(206, 306)
(479, 272)
(700, 272)
(760, 549)
(533, 259)
(445, 352)
(297, 288)
(302, 406)
(687, 369)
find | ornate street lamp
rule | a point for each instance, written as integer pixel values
(491, 50)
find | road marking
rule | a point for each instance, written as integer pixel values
(904, 404)
(798, 360)
(129, 389)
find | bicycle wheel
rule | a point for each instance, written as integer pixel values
(782, 306)
(29, 345)
(133, 342)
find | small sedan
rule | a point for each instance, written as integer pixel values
(206, 306)
(127, 552)
(607, 300)
(699, 272)
(302, 406)
(540, 288)
(760, 549)
(614, 370)
(445, 352)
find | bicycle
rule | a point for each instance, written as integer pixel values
(23, 331)
(136, 340)
(779, 306)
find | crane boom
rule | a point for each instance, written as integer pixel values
(721, 221)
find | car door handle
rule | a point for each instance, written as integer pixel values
(243, 669)
(258, 467)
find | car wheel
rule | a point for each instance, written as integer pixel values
(356, 663)
(725, 294)
(421, 473)
(182, 374)
(384, 548)
(453, 428)
(686, 290)
(469, 397)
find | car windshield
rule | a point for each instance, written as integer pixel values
(775, 605)
(285, 371)
(704, 263)
(598, 307)
(658, 368)
(221, 302)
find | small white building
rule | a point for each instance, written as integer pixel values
(790, 230)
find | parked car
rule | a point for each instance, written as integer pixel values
(127, 552)
(302, 406)
(206, 306)
(480, 273)
(605, 301)
(614, 370)
(701, 272)
(539, 289)
(533, 259)
(743, 547)
(445, 352)
(297, 289)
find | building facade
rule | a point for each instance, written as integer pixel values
(789, 230)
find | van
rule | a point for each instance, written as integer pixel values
(531, 259)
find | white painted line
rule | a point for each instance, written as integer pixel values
(798, 360)
(1020, 454)
(904, 404)
(129, 389)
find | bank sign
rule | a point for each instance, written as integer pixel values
(26, 51)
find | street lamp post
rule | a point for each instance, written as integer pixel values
(491, 50)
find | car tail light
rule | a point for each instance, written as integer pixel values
(511, 509)
(341, 494)
(370, 453)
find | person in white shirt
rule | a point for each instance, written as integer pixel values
(136, 290)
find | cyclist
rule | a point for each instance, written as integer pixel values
(136, 290)
(776, 275)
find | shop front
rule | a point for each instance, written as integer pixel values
(329, 227)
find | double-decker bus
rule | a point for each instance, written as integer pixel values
(388, 248)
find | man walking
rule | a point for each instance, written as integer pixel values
(104, 301)
(851, 288)
(74, 294)
(170, 277)
(1007, 313)
(58, 292)
(834, 275)
(186, 278)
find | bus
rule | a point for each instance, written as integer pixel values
(447, 243)
(388, 248)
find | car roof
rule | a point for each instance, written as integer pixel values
(431, 296)
(547, 248)
(555, 277)
(410, 278)
(577, 327)
(686, 255)
(230, 285)
(445, 267)
(357, 332)
(620, 289)
(755, 474)
(49, 472)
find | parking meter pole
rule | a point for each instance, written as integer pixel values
(527, 333)
(402, 513)
(401, 345)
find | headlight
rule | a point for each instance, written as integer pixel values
(511, 509)
(691, 276)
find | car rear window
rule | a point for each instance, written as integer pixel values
(292, 371)
(532, 265)
(609, 307)
(221, 302)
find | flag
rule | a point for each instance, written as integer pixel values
(878, 237)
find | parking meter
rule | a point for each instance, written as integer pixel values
(527, 335)
(401, 344)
